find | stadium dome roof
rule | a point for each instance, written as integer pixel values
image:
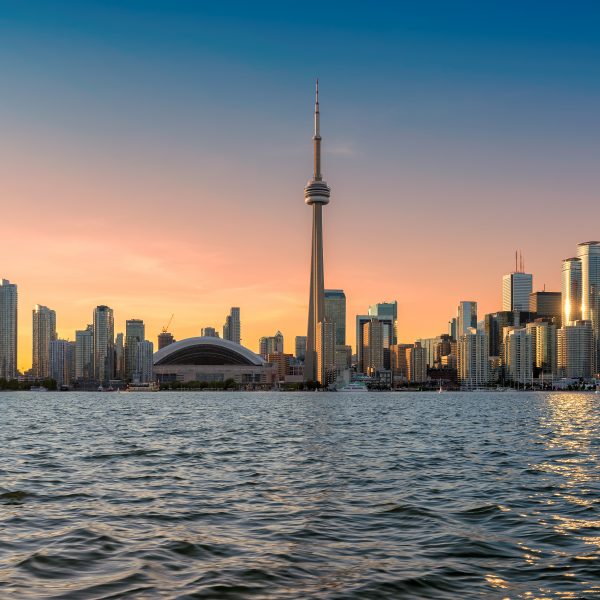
(206, 351)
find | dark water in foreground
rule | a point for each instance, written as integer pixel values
(202, 495)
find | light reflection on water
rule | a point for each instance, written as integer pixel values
(300, 495)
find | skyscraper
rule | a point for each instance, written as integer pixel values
(135, 332)
(145, 355)
(325, 352)
(232, 327)
(44, 332)
(518, 354)
(316, 194)
(335, 311)
(104, 342)
(516, 288)
(165, 339)
(61, 361)
(271, 345)
(571, 290)
(543, 341)
(473, 359)
(589, 254)
(8, 329)
(84, 354)
(372, 345)
(466, 317)
(387, 310)
(546, 304)
(300, 343)
(575, 350)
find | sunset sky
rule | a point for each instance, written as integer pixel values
(153, 156)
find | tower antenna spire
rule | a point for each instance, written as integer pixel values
(317, 137)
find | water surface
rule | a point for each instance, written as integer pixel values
(325, 496)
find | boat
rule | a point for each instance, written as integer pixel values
(153, 386)
(441, 389)
(354, 386)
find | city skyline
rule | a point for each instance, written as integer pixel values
(467, 117)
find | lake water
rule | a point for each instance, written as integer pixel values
(315, 495)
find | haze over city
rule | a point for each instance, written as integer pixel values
(154, 159)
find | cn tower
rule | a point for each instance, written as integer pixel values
(316, 194)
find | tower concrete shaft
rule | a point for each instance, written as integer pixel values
(316, 194)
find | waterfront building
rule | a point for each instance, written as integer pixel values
(473, 359)
(212, 360)
(466, 317)
(316, 195)
(343, 358)
(544, 345)
(589, 254)
(8, 329)
(575, 349)
(104, 344)
(432, 349)
(84, 354)
(398, 360)
(44, 332)
(387, 311)
(135, 333)
(416, 361)
(282, 362)
(270, 345)
(120, 368)
(209, 332)
(145, 359)
(571, 290)
(373, 346)
(326, 352)
(335, 311)
(232, 328)
(62, 357)
(164, 339)
(518, 354)
(387, 324)
(300, 347)
(494, 324)
(546, 305)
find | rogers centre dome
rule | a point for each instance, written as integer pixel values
(211, 359)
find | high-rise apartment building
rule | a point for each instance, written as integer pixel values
(466, 317)
(589, 254)
(44, 332)
(373, 345)
(144, 366)
(387, 324)
(452, 328)
(387, 311)
(8, 329)
(84, 354)
(165, 339)
(575, 349)
(120, 356)
(416, 361)
(209, 332)
(544, 343)
(516, 288)
(62, 357)
(494, 324)
(398, 360)
(518, 354)
(571, 290)
(271, 345)
(473, 359)
(326, 352)
(135, 333)
(335, 311)
(104, 344)
(232, 328)
(300, 347)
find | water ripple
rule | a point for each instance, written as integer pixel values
(294, 496)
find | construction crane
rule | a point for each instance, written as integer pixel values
(166, 327)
